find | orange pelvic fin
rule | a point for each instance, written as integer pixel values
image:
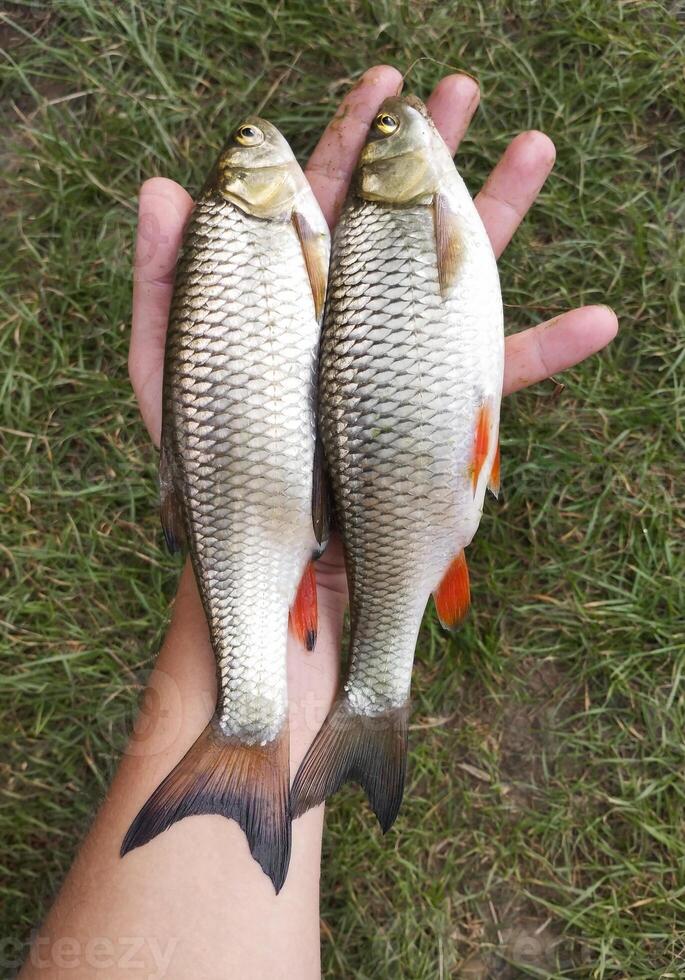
(453, 595)
(481, 443)
(493, 482)
(303, 614)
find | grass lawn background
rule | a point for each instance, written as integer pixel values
(542, 830)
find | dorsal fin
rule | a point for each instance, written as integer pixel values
(169, 506)
(321, 496)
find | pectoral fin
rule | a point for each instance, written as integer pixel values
(315, 251)
(448, 243)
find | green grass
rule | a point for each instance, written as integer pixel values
(542, 833)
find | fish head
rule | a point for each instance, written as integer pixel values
(403, 157)
(257, 171)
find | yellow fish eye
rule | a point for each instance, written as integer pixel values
(248, 135)
(386, 123)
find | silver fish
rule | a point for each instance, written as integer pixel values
(409, 394)
(236, 464)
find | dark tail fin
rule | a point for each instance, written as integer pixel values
(371, 751)
(247, 783)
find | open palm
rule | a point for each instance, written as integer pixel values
(531, 355)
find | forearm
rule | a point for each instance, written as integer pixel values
(192, 902)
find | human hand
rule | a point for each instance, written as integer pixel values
(504, 200)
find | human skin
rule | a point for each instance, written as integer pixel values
(193, 903)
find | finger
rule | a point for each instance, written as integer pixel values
(539, 352)
(513, 185)
(454, 101)
(163, 208)
(332, 162)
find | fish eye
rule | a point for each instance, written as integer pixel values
(386, 123)
(248, 135)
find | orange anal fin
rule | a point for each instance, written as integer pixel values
(481, 444)
(453, 595)
(303, 614)
(493, 482)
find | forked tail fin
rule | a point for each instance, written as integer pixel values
(220, 774)
(370, 750)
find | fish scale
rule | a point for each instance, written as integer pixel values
(403, 407)
(244, 448)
